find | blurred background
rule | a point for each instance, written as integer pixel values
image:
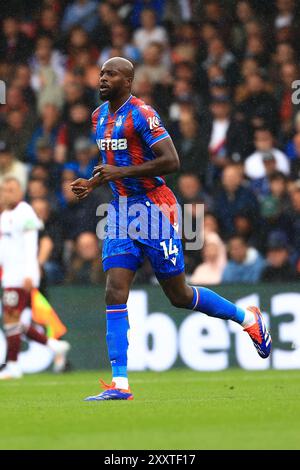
(219, 73)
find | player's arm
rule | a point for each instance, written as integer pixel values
(166, 161)
(30, 249)
(83, 187)
(148, 126)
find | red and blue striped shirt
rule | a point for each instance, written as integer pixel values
(125, 138)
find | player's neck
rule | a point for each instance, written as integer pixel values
(116, 104)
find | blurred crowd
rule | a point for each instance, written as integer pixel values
(220, 74)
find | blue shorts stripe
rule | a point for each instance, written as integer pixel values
(163, 276)
(126, 260)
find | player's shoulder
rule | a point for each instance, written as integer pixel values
(142, 109)
(24, 210)
(24, 207)
(96, 113)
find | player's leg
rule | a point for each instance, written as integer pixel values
(118, 283)
(60, 348)
(13, 330)
(209, 302)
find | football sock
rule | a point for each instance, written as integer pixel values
(212, 304)
(13, 338)
(117, 342)
(35, 335)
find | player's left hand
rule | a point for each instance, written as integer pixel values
(107, 173)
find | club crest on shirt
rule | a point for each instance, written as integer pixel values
(119, 121)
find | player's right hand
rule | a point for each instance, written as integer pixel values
(81, 188)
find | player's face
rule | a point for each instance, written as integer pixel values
(11, 194)
(112, 82)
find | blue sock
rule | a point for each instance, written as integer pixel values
(116, 337)
(207, 301)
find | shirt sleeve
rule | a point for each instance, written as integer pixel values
(31, 253)
(149, 125)
(30, 220)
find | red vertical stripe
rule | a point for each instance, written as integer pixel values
(164, 198)
(136, 151)
(110, 157)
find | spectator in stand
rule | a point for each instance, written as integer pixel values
(190, 190)
(79, 41)
(232, 198)
(15, 46)
(177, 11)
(214, 13)
(222, 132)
(48, 127)
(214, 261)
(80, 12)
(295, 163)
(84, 160)
(153, 69)
(149, 31)
(47, 66)
(220, 55)
(286, 13)
(39, 189)
(76, 92)
(289, 72)
(257, 43)
(50, 242)
(10, 167)
(264, 144)
(191, 148)
(16, 132)
(107, 16)
(277, 194)
(15, 101)
(22, 80)
(245, 227)
(244, 13)
(294, 218)
(191, 196)
(77, 216)
(186, 43)
(259, 102)
(84, 267)
(77, 125)
(49, 24)
(211, 223)
(261, 186)
(45, 159)
(284, 53)
(120, 39)
(279, 268)
(245, 264)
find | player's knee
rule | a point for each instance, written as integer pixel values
(179, 299)
(11, 317)
(115, 295)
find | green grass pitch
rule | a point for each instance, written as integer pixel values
(180, 409)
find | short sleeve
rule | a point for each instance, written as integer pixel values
(149, 125)
(29, 219)
(94, 118)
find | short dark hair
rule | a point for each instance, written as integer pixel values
(236, 236)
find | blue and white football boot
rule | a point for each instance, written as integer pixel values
(259, 334)
(111, 393)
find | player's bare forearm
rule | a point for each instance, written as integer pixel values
(83, 187)
(166, 162)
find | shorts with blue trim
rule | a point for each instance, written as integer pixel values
(142, 226)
